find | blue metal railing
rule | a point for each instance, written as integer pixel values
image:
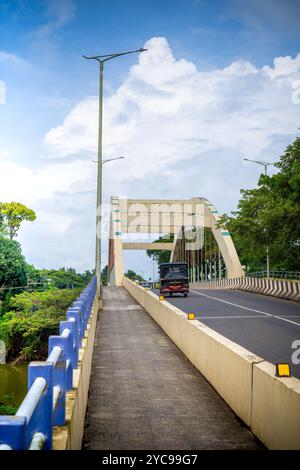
(292, 275)
(44, 405)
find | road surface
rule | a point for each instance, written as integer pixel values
(144, 394)
(265, 325)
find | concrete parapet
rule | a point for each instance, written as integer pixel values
(275, 408)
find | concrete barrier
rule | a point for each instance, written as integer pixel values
(69, 436)
(268, 405)
(275, 287)
(275, 408)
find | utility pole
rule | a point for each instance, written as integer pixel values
(101, 59)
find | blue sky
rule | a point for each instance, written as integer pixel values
(219, 78)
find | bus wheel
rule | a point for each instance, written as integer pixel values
(185, 295)
(171, 293)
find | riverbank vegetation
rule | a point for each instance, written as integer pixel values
(32, 301)
(31, 318)
(8, 405)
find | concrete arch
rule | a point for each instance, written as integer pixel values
(131, 218)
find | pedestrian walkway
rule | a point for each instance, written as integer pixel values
(144, 393)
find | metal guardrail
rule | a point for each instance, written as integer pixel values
(293, 275)
(44, 405)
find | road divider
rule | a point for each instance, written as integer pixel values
(275, 287)
(245, 381)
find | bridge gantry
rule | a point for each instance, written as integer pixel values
(197, 236)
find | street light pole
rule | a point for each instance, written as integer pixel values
(101, 59)
(99, 187)
(265, 165)
(153, 264)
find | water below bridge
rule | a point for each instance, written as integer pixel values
(13, 383)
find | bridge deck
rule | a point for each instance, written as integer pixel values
(144, 394)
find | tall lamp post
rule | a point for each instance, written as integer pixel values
(101, 59)
(265, 165)
(153, 264)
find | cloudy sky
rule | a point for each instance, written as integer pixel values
(220, 81)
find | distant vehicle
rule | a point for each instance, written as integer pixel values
(174, 278)
(145, 284)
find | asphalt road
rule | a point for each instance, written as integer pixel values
(266, 326)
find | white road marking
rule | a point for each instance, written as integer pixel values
(246, 308)
(220, 317)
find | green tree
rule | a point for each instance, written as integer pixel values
(66, 278)
(133, 275)
(13, 214)
(36, 278)
(104, 275)
(12, 265)
(270, 214)
(161, 256)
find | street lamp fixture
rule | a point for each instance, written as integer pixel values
(264, 164)
(101, 59)
(108, 160)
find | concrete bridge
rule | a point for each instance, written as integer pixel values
(139, 374)
(142, 373)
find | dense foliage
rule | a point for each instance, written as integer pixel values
(8, 405)
(161, 256)
(64, 278)
(12, 265)
(270, 214)
(133, 275)
(33, 316)
(104, 275)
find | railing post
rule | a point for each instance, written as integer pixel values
(80, 321)
(13, 432)
(59, 378)
(80, 304)
(75, 315)
(42, 417)
(70, 325)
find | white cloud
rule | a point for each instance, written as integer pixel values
(167, 111)
(20, 183)
(58, 13)
(183, 132)
(9, 58)
(63, 196)
(284, 66)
